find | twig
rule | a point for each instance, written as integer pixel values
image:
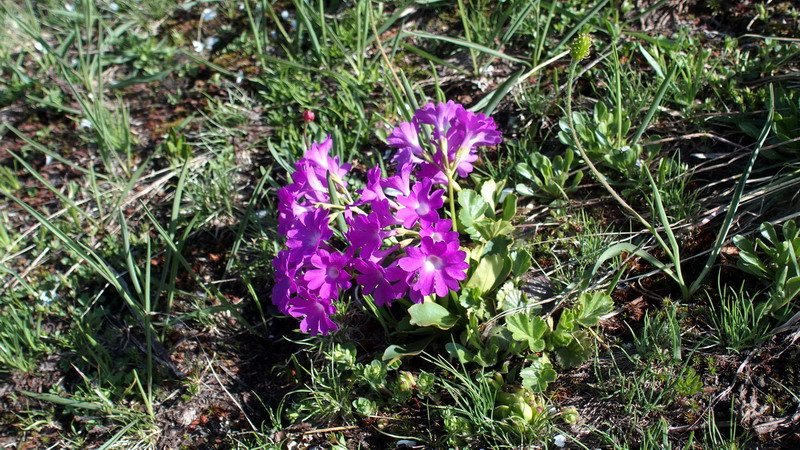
(331, 430)
(380, 47)
(211, 366)
(693, 136)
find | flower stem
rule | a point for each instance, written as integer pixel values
(450, 182)
(335, 201)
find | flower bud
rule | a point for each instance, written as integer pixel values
(308, 116)
(570, 415)
(581, 47)
(406, 381)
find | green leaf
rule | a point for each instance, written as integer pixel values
(652, 61)
(751, 263)
(430, 314)
(523, 189)
(488, 188)
(591, 307)
(395, 352)
(510, 298)
(460, 352)
(365, 406)
(525, 171)
(576, 352)
(142, 79)
(509, 207)
(562, 334)
(70, 403)
(520, 262)
(538, 375)
(463, 43)
(470, 298)
(490, 229)
(528, 328)
(498, 245)
(491, 271)
(487, 356)
(792, 288)
(375, 374)
(472, 208)
(624, 247)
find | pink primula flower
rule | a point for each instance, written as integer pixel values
(438, 267)
(318, 154)
(375, 281)
(329, 275)
(405, 138)
(310, 181)
(315, 312)
(285, 287)
(289, 208)
(420, 204)
(439, 115)
(307, 233)
(373, 191)
(469, 132)
(399, 184)
(439, 231)
(366, 233)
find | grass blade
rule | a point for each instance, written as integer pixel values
(462, 43)
(737, 196)
(654, 107)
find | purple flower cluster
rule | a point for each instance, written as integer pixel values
(396, 241)
(454, 135)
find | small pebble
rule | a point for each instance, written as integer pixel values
(210, 42)
(209, 14)
(47, 297)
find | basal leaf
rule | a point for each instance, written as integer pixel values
(490, 229)
(472, 206)
(525, 171)
(562, 334)
(430, 314)
(538, 375)
(524, 190)
(575, 352)
(488, 188)
(591, 307)
(509, 297)
(491, 270)
(520, 262)
(529, 328)
(509, 207)
(395, 352)
(460, 352)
